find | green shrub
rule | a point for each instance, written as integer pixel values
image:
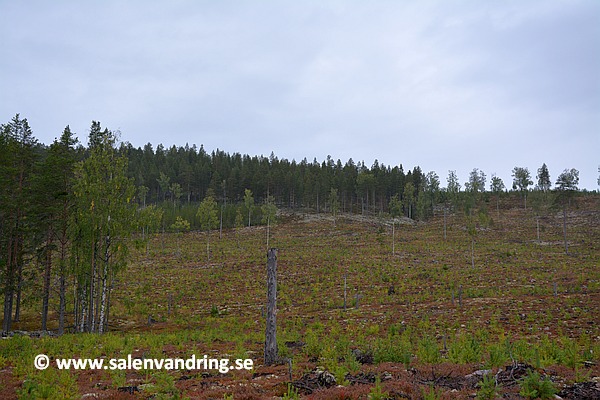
(488, 389)
(292, 393)
(377, 392)
(393, 349)
(464, 350)
(428, 350)
(498, 355)
(533, 386)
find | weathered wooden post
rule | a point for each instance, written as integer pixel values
(271, 329)
(345, 276)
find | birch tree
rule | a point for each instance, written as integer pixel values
(104, 218)
(207, 214)
(497, 187)
(522, 181)
(566, 185)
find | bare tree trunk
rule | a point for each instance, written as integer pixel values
(90, 303)
(271, 329)
(472, 253)
(62, 303)
(345, 290)
(46, 294)
(393, 237)
(268, 229)
(103, 300)
(9, 288)
(207, 247)
(565, 228)
(18, 297)
(83, 300)
(444, 222)
(8, 296)
(221, 224)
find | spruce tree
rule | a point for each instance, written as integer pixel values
(17, 159)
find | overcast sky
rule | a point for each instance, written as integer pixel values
(446, 85)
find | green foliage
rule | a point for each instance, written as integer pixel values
(488, 389)
(453, 187)
(292, 393)
(180, 225)
(376, 392)
(334, 203)
(496, 185)
(498, 355)
(568, 180)
(409, 197)
(395, 206)
(476, 182)
(104, 217)
(428, 350)
(164, 385)
(214, 311)
(533, 386)
(314, 343)
(207, 214)
(465, 349)
(49, 384)
(543, 177)
(432, 393)
(269, 210)
(396, 349)
(249, 203)
(163, 182)
(150, 218)
(118, 378)
(521, 178)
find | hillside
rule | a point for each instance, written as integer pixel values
(423, 321)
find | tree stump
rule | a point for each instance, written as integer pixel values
(271, 329)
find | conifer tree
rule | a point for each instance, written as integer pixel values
(543, 177)
(54, 198)
(453, 188)
(334, 203)
(17, 150)
(409, 198)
